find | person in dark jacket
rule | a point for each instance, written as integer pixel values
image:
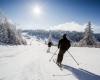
(63, 45)
(49, 45)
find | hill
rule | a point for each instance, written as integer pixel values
(31, 62)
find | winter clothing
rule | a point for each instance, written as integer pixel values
(64, 45)
(49, 45)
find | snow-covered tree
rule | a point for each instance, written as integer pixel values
(88, 39)
(8, 32)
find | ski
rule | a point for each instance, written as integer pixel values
(58, 65)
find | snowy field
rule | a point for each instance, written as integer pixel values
(31, 62)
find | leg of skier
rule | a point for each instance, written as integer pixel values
(60, 57)
(48, 50)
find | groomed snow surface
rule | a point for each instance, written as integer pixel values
(31, 62)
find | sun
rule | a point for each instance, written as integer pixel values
(37, 10)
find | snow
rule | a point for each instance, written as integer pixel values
(31, 62)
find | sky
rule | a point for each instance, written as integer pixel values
(53, 14)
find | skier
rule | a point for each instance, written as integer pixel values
(63, 46)
(49, 42)
(49, 46)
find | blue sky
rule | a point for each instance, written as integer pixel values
(56, 14)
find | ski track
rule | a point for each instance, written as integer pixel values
(31, 62)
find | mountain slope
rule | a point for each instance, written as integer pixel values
(31, 62)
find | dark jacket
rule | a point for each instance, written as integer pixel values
(50, 44)
(64, 44)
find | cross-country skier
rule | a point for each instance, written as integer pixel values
(63, 45)
(49, 45)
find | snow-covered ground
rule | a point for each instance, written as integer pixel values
(31, 62)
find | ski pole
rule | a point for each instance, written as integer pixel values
(53, 55)
(73, 58)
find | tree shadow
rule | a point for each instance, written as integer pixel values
(82, 74)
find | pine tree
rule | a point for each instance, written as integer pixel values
(8, 33)
(88, 39)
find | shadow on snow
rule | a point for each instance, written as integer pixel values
(82, 74)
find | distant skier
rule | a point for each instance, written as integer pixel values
(49, 42)
(63, 45)
(49, 46)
